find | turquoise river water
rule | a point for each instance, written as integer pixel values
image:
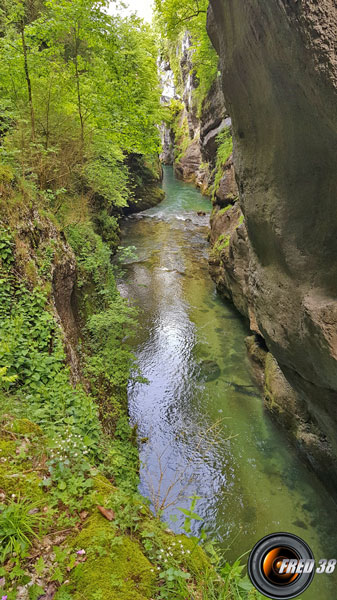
(202, 426)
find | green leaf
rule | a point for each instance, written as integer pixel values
(40, 566)
(57, 575)
(245, 584)
(35, 592)
(190, 514)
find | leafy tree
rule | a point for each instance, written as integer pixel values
(176, 15)
(79, 92)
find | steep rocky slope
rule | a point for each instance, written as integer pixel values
(190, 137)
(278, 64)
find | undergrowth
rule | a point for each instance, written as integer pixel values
(65, 448)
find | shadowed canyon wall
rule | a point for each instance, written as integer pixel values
(279, 266)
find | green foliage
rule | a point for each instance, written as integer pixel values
(109, 319)
(25, 339)
(33, 367)
(224, 150)
(172, 111)
(32, 358)
(129, 510)
(6, 380)
(107, 359)
(224, 146)
(229, 584)
(18, 525)
(221, 243)
(6, 250)
(93, 259)
(69, 470)
(185, 572)
(32, 361)
(190, 514)
(107, 226)
(121, 460)
(79, 90)
(182, 139)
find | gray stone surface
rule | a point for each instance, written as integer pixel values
(278, 64)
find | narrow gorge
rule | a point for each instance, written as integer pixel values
(168, 377)
(273, 250)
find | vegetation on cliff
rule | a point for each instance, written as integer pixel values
(185, 46)
(174, 18)
(196, 115)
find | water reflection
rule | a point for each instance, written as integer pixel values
(200, 412)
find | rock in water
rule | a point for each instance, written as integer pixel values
(209, 370)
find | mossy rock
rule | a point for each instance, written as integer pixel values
(195, 558)
(209, 370)
(102, 485)
(25, 485)
(25, 427)
(151, 195)
(13, 476)
(121, 573)
(7, 449)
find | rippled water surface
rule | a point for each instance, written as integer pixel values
(202, 428)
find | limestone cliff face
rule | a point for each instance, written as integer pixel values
(187, 135)
(279, 78)
(167, 141)
(213, 118)
(191, 144)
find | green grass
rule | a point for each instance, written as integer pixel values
(19, 523)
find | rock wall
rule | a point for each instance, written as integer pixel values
(188, 157)
(145, 181)
(191, 144)
(213, 119)
(168, 94)
(167, 141)
(279, 77)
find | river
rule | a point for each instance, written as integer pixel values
(201, 423)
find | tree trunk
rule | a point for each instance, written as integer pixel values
(29, 85)
(79, 99)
